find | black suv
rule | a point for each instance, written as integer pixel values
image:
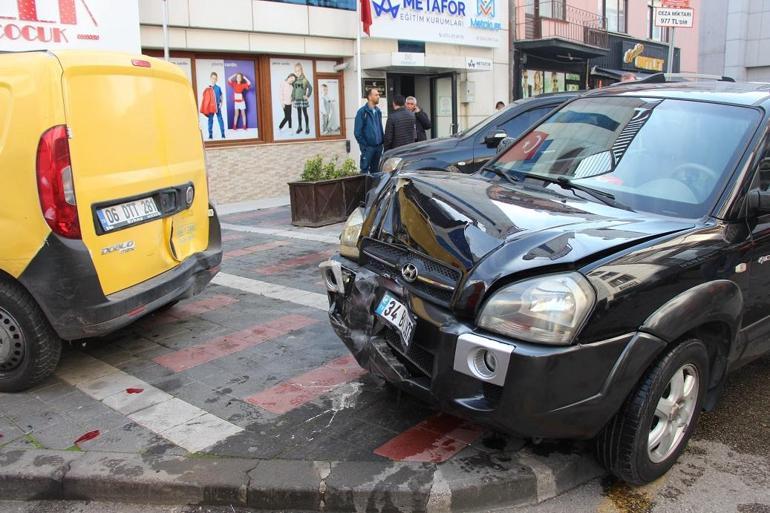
(597, 279)
(467, 151)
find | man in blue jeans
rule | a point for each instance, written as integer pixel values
(218, 98)
(368, 132)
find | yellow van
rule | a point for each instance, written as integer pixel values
(105, 214)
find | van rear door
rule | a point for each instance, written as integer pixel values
(137, 164)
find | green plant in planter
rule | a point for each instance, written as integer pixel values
(317, 170)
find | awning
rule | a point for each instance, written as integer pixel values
(615, 74)
(560, 49)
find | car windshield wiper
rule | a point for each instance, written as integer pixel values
(496, 170)
(566, 183)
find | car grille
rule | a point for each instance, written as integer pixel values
(436, 282)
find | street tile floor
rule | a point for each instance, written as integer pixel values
(236, 373)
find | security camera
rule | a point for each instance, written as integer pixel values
(341, 67)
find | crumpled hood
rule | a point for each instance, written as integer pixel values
(462, 220)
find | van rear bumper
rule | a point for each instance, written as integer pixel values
(63, 281)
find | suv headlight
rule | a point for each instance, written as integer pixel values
(546, 310)
(391, 164)
(350, 234)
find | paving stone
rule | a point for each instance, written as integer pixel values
(126, 438)
(8, 431)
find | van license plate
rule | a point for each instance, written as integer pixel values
(397, 315)
(126, 214)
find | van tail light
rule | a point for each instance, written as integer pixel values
(55, 185)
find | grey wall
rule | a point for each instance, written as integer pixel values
(734, 39)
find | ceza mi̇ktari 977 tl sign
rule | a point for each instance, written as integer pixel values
(461, 22)
(61, 24)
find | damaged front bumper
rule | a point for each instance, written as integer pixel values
(532, 391)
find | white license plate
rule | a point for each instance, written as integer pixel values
(397, 315)
(125, 214)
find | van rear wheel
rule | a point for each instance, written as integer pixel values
(645, 438)
(29, 348)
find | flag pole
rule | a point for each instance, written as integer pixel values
(359, 73)
(165, 30)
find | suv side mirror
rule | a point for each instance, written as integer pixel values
(492, 141)
(505, 144)
(759, 202)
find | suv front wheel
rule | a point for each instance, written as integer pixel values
(645, 438)
(29, 347)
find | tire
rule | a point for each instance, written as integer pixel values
(29, 347)
(635, 445)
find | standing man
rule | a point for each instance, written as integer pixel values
(400, 128)
(421, 118)
(368, 132)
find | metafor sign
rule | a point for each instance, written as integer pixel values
(56, 24)
(462, 22)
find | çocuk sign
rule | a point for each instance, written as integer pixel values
(464, 22)
(62, 24)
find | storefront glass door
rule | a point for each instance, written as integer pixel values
(444, 96)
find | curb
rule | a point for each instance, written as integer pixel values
(27, 474)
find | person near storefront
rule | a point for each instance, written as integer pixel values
(400, 129)
(301, 98)
(239, 83)
(287, 87)
(368, 132)
(422, 120)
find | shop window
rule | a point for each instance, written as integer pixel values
(411, 46)
(614, 12)
(234, 94)
(347, 5)
(655, 33)
(227, 98)
(536, 82)
(292, 86)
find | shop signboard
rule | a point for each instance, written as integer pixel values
(459, 22)
(641, 57)
(478, 64)
(62, 24)
(407, 59)
(674, 18)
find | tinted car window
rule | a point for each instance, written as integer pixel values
(671, 157)
(516, 126)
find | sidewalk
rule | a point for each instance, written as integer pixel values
(243, 395)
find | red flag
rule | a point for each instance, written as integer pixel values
(366, 15)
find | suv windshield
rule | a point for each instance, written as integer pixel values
(670, 157)
(478, 127)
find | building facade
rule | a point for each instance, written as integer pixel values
(563, 45)
(286, 75)
(739, 47)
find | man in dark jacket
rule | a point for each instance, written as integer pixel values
(400, 128)
(420, 116)
(368, 132)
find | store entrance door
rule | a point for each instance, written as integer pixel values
(444, 104)
(436, 94)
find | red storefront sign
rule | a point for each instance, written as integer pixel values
(51, 24)
(675, 4)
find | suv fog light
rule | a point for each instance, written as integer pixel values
(482, 358)
(483, 363)
(331, 272)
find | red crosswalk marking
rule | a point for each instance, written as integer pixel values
(433, 440)
(222, 346)
(301, 389)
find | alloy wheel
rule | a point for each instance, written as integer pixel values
(674, 413)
